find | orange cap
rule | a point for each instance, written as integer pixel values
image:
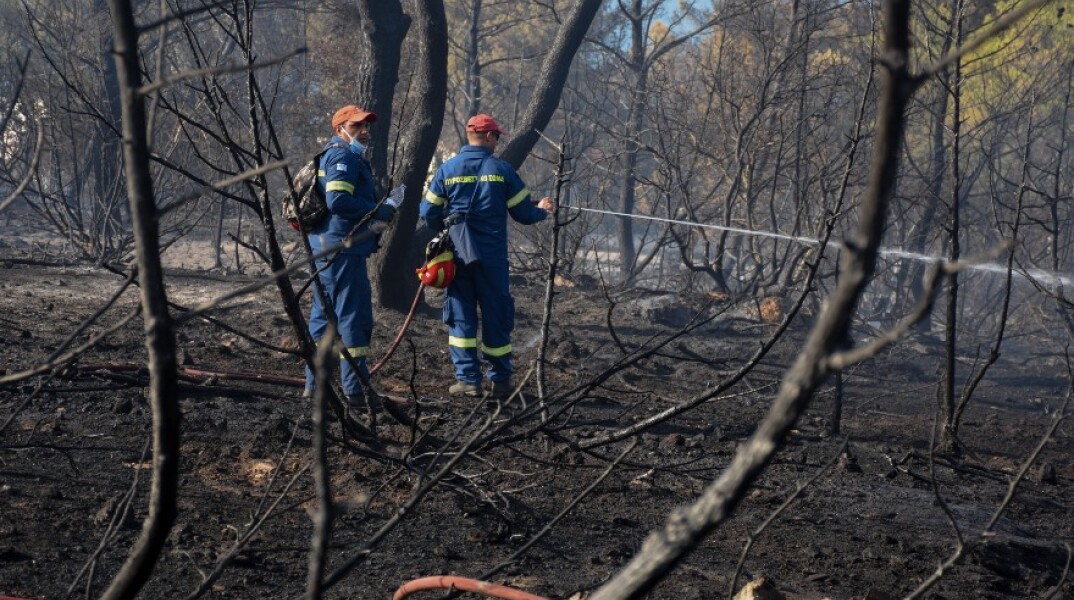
(482, 123)
(352, 114)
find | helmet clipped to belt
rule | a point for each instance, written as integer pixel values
(439, 268)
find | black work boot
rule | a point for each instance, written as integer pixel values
(502, 390)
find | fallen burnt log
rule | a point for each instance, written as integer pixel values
(191, 374)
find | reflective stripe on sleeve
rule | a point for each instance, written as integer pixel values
(459, 342)
(339, 186)
(320, 172)
(434, 199)
(518, 198)
(496, 352)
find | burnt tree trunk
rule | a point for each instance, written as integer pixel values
(631, 144)
(107, 185)
(550, 82)
(159, 334)
(1057, 175)
(383, 27)
(473, 61)
(923, 230)
(394, 264)
(948, 442)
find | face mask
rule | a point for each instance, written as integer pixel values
(356, 146)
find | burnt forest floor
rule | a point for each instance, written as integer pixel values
(71, 458)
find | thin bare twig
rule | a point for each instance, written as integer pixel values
(322, 517)
(119, 516)
(756, 533)
(403, 511)
(10, 110)
(562, 179)
(963, 547)
(992, 30)
(66, 344)
(236, 68)
(1062, 578)
(993, 355)
(69, 356)
(223, 183)
(31, 170)
(240, 543)
(563, 513)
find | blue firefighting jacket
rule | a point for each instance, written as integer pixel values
(499, 192)
(350, 192)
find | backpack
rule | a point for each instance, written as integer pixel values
(312, 207)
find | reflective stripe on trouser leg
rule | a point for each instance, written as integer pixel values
(460, 315)
(495, 352)
(346, 283)
(499, 360)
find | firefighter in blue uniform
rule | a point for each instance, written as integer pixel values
(346, 179)
(487, 190)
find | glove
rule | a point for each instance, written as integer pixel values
(396, 197)
(385, 212)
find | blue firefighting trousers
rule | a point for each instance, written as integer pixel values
(483, 284)
(346, 283)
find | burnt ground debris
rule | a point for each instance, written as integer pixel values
(870, 522)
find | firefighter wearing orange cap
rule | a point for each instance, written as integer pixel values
(346, 179)
(483, 190)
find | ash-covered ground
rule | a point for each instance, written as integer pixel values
(879, 517)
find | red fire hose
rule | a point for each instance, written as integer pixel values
(399, 336)
(463, 584)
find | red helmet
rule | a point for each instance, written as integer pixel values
(438, 271)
